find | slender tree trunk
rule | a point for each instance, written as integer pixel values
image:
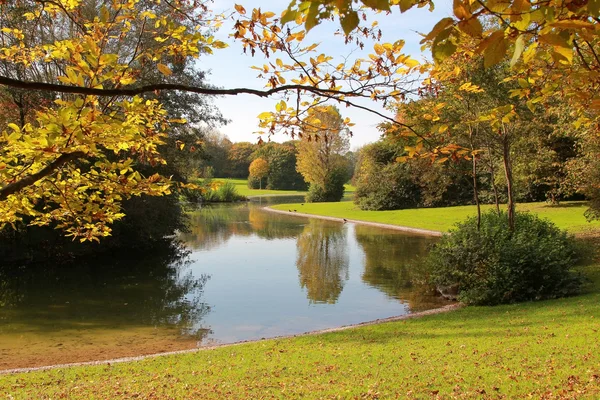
(475, 188)
(493, 174)
(476, 192)
(509, 180)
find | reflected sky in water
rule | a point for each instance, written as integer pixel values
(240, 273)
(272, 274)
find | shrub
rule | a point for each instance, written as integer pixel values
(254, 182)
(494, 265)
(333, 190)
(390, 187)
(227, 192)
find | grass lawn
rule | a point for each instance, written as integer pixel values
(567, 215)
(547, 350)
(241, 186)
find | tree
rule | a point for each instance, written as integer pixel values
(93, 57)
(259, 169)
(282, 165)
(324, 142)
(239, 159)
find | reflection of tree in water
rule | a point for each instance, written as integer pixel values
(268, 225)
(323, 260)
(213, 225)
(152, 289)
(393, 265)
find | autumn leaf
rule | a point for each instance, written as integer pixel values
(164, 69)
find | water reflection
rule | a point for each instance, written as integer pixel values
(323, 260)
(393, 264)
(157, 289)
(214, 225)
(270, 275)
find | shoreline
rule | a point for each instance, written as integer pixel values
(418, 231)
(440, 310)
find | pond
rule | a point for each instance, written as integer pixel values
(242, 273)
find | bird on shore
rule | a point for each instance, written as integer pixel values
(345, 220)
(289, 210)
(295, 210)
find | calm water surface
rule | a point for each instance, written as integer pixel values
(243, 273)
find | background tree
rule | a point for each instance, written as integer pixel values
(282, 158)
(259, 169)
(239, 159)
(320, 154)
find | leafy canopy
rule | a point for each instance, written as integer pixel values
(72, 161)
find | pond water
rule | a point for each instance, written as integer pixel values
(242, 273)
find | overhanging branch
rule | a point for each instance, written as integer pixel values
(53, 87)
(46, 171)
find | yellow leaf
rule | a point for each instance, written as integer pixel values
(411, 63)
(495, 50)
(240, 9)
(265, 115)
(164, 69)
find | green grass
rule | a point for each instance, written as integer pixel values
(547, 349)
(567, 215)
(241, 186)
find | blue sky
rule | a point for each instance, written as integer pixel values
(230, 67)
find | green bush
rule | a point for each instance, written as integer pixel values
(227, 192)
(254, 182)
(495, 265)
(390, 188)
(333, 190)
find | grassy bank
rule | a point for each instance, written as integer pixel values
(242, 188)
(547, 349)
(567, 215)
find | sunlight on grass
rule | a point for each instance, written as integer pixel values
(567, 215)
(547, 349)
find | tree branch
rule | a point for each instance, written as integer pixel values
(52, 87)
(46, 171)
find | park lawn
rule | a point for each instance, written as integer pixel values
(566, 215)
(242, 188)
(548, 349)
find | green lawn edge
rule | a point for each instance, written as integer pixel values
(548, 349)
(566, 215)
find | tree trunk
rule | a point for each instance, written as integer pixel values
(476, 192)
(493, 174)
(509, 180)
(475, 188)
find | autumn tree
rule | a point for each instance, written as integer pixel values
(54, 168)
(282, 159)
(324, 142)
(259, 169)
(239, 159)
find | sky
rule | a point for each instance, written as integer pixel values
(231, 68)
